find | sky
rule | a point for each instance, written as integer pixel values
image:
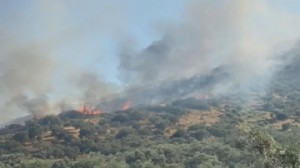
(68, 38)
(87, 33)
(48, 45)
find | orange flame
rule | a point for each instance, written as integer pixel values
(126, 106)
(86, 110)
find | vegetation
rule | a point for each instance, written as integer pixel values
(223, 132)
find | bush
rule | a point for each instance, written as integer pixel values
(281, 116)
(21, 136)
(285, 126)
(123, 133)
(217, 132)
(120, 118)
(200, 134)
(178, 134)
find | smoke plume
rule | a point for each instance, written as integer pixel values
(39, 54)
(93, 88)
(242, 37)
(25, 70)
(215, 47)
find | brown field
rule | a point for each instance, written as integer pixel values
(260, 117)
(278, 125)
(274, 123)
(206, 118)
(195, 117)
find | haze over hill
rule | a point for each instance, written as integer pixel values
(200, 52)
(232, 130)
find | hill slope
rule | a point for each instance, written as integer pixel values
(228, 131)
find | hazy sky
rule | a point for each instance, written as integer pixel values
(46, 45)
(86, 33)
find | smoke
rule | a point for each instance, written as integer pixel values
(215, 46)
(25, 70)
(36, 106)
(94, 89)
(239, 36)
(41, 50)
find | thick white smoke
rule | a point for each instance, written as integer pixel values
(242, 36)
(39, 55)
(42, 42)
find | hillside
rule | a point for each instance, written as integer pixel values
(187, 133)
(149, 84)
(208, 132)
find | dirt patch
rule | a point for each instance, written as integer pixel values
(170, 131)
(260, 117)
(73, 131)
(206, 118)
(195, 117)
(278, 125)
(93, 121)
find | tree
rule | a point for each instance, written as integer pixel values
(34, 164)
(274, 154)
(60, 164)
(217, 130)
(136, 115)
(200, 134)
(286, 126)
(85, 132)
(34, 131)
(21, 136)
(203, 161)
(281, 116)
(50, 121)
(178, 134)
(120, 118)
(71, 151)
(123, 133)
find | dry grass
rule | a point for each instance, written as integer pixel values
(278, 125)
(170, 131)
(73, 131)
(260, 117)
(274, 123)
(47, 136)
(93, 121)
(195, 117)
(206, 118)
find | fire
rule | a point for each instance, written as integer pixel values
(126, 106)
(86, 110)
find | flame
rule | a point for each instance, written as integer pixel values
(87, 110)
(126, 106)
